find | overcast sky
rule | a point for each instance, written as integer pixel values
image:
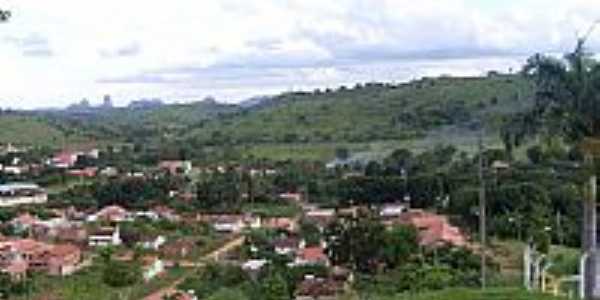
(53, 53)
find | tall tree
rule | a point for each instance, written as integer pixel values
(566, 104)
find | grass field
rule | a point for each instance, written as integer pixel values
(88, 285)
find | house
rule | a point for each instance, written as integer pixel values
(286, 246)
(433, 229)
(317, 289)
(282, 223)
(14, 170)
(64, 159)
(178, 249)
(152, 242)
(176, 167)
(313, 255)
(150, 215)
(294, 197)
(254, 265)
(320, 217)
(392, 210)
(20, 256)
(229, 223)
(105, 236)
(166, 213)
(13, 194)
(63, 259)
(24, 222)
(109, 172)
(151, 267)
(88, 172)
(71, 234)
(113, 213)
(16, 269)
(68, 158)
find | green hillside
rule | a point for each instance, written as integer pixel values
(364, 117)
(36, 131)
(371, 112)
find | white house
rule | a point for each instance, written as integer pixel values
(13, 194)
(254, 264)
(229, 224)
(393, 210)
(153, 243)
(105, 236)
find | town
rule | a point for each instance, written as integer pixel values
(47, 234)
(299, 150)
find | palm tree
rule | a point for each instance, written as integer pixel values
(566, 104)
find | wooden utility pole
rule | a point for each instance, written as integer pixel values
(482, 212)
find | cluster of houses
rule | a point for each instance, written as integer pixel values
(433, 230)
(20, 256)
(57, 245)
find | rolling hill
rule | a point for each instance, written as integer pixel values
(35, 130)
(367, 118)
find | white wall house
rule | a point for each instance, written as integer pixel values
(13, 194)
(107, 236)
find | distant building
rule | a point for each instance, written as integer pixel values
(433, 229)
(105, 236)
(13, 194)
(318, 289)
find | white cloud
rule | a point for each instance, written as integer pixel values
(56, 52)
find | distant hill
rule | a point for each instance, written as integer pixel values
(25, 129)
(369, 118)
(371, 112)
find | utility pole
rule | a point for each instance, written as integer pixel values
(482, 212)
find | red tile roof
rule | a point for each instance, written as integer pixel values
(313, 254)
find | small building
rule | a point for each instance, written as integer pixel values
(63, 260)
(392, 210)
(112, 213)
(318, 289)
(282, 223)
(13, 194)
(89, 172)
(152, 242)
(293, 197)
(178, 249)
(286, 246)
(313, 255)
(229, 223)
(321, 217)
(166, 213)
(254, 265)
(433, 229)
(105, 236)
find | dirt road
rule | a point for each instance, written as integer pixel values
(212, 256)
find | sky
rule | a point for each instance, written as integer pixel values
(53, 53)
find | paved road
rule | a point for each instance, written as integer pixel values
(212, 256)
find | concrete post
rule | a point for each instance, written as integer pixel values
(590, 227)
(527, 267)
